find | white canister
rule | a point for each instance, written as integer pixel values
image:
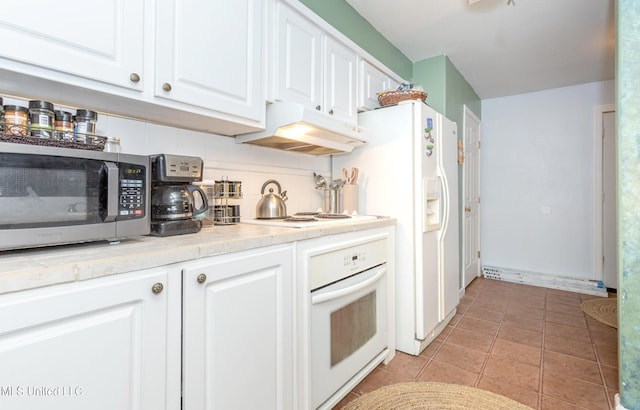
(350, 198)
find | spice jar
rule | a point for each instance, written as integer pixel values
(63, 125)
(85, 126)
(15, 120)
(112, 144)
(41, 119)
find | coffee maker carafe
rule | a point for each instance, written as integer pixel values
(176, 205)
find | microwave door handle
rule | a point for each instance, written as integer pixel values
(112, 186)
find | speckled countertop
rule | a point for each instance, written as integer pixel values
(26, 269)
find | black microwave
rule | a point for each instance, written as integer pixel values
(51, 195)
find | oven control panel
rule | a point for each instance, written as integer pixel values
(329, 267)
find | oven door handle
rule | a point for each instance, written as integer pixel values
(325, 297)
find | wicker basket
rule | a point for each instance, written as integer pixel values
(393, 97)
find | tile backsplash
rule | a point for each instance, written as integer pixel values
(223, 159)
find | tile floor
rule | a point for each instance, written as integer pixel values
(532, 344)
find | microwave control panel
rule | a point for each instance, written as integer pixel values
(132, 191)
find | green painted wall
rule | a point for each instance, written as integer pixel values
(447, 90)
(431, 75)
(459, 93)
(628, 134)
(346, 20)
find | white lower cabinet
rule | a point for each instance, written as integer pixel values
(237, 331)
(102, 344)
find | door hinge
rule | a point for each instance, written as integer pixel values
(478, 254)
(478, 144)
(478, 199)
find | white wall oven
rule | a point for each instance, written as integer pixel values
(348, 316)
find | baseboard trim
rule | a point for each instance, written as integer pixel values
(578, 285)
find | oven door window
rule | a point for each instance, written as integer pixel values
(352, 326)
(46, 191)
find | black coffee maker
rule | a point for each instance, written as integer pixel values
(176, 204)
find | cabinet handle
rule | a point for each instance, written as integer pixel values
(157, 288)
(134, 77)
(202, 278)
(318, 107)
(166, 87)
(331, 112)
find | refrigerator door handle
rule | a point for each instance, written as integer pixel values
(444, 186)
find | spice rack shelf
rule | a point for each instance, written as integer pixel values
(62, 139)
(221, 193)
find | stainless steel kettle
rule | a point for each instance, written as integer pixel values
(272, 206)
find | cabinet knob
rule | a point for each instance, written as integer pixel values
(331, 112)
(157, 288)
(467, 209)
(202, 278)
(318, 107)
(166, 87)
(134, 77)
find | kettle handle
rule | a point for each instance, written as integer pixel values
(205, 205)
(271, 181)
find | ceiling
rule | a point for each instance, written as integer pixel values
(500, 48)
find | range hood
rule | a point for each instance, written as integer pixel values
(293, 127)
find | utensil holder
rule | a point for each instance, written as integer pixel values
(333, 200)
(350, 198)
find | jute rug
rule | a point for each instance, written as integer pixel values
(603, 310)
(432, 396)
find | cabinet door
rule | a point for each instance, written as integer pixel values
(340, 81)
(100, 344)
(372, 81)
(209, 54)
(237, 331)
(298, 64)
(98, 40)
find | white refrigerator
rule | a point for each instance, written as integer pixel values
(409, 171)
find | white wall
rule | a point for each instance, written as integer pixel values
(537, 152)
(223, 158)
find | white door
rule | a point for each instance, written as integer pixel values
(609, 231)
(471, 183)
(99, 344)
(449, 239)
(209, 54)
(98, 40)
(237, 324)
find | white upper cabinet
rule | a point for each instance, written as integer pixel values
(298, 60)
(372, 81)
(209, 54)
(189, 63)
(340, 80)
(311, 67)
(96, 40)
